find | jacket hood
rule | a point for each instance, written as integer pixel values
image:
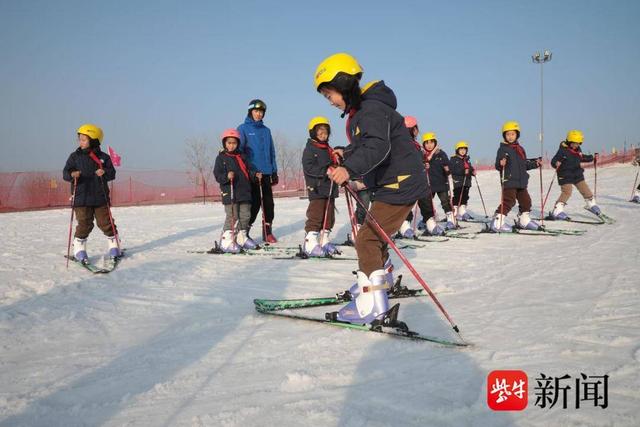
(248, 120)
(378, 91)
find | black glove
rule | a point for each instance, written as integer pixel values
(274, 179)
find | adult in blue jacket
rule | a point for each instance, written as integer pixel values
(256, 144)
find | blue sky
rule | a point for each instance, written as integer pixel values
(153, 74)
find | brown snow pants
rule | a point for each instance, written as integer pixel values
(85, 215)
(315, 214)
(509, 197)
(372, 249)
(565, 191)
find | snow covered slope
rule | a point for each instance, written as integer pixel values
(171, 338)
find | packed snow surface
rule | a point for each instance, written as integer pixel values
(171, 338)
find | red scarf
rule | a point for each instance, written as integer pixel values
(326, 146)
(576, 153)
(240, 162)
(465, 161)
(95, 158)
(429, 154)
(518, 149)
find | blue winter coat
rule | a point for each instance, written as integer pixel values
(570, 171)
(92, 190)
(515, 172)
(381, 149)
(256, 144)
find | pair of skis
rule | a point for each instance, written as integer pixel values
(288, 308)
(109, 264)
(276, 252)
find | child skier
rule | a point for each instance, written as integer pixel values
(90, 169)
(406, 229)
(233, 175)
(381, 151)
(256, 144)
(317, 157)
(437, 164)
(512, 163)
(462, 173)
(567, 164)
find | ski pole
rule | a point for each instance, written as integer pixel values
(264, 220)
(233, 214)
(501, 196)
(541, 196)
(451, 205)
(633, 189)
(464, 181)
(549, 189)
(326, 214)
(381, 233)
(595, 178)
(106, 199)
(73, 197)
(352, 218)
(481, 198)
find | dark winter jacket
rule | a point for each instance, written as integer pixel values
(256, 144)
(315, 162)
(515, 172)
(92, 190)
(381, 149)
(438, 176)
(225, 163)
(458, 165)
(570, 171)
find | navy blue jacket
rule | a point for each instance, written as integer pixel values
(256, 144)
(457, 165)
(92, 190)
(570, 171)
(315, 162)
(241, 185)
(381, 149)
(438, 177)
(515, 172)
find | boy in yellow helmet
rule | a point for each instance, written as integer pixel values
(380, 150)
(91, 169)
(512, 163)
(462, 173)
(317, 158)
(567, 163)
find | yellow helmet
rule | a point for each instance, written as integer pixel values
(511, 126)
(462, 144)
(318, 120)
(429, 135)
(334, 64)
(92, 131)
(575, 136)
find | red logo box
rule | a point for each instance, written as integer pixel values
(507, 390)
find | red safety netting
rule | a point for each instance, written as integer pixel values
(40, 190)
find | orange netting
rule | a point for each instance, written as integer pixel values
(41, 190)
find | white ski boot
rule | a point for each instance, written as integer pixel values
(406, 231)
(451, 221)
(462, 214)
(114, 250)
(525, 222)
(592, 206)
(433, 228)
(312, 246)
(80, 249)
(228, 243)
(499, 224)
(244, 241)
(325, 242)
(559, 213)
(372, 301)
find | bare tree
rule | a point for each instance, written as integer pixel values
(288, 157)
(200, 157)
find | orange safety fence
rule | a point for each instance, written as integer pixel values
(21, 191)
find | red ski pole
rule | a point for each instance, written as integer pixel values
(633, 189)
(73, 196)
(464, 181)
(549, 189)
(595, 178)
(326, 214)
(233, 214)
(352, 217)
(380, 231)
(486, 215)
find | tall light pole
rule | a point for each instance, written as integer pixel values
(541, 58)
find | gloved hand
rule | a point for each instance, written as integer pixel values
(274, 179)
